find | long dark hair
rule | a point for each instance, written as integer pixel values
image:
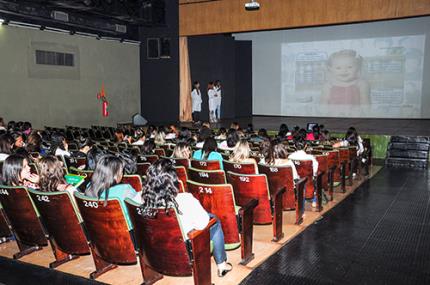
(277, 150)
(160, 189)
(352, 136)
(12, 168)
(232, 138)
(57, 141)
(5, 145)
(283, 130)
(209, 146)
(51, 174)
(104, 176)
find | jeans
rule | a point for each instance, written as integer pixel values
(218, 111)
(217, 238)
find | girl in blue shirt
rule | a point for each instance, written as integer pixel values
(209, 152)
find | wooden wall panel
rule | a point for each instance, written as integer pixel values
(227, 16)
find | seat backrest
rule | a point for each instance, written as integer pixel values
(280, 177)
(80, 161)
(161, 240)
(4, 226)
(160, 152)
(218, 200)
(333, 158)
(107, 229)
(304, 169)
(22, 215)
(142, 168)
(344, 154)
(147, 158)
(134, 180)
(60, 218)
(241, 168)
(323, 166)
(205, 164)
(181, 172)
(207, 176)
(252, 186)
(180, 161)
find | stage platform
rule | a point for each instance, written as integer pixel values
(389, 127)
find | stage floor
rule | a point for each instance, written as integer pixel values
(409, 127)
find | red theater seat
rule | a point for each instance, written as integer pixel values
(207, 176)
(241, 168)
(134, 180)
(205, 164)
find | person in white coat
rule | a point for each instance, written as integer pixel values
(212, 95)
(217, 88)
(196, 98)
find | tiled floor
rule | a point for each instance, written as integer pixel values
(380, 234)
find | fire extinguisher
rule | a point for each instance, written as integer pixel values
(105, 108)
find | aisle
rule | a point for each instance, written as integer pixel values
(379, 235)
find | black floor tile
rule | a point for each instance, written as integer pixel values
(378, 235)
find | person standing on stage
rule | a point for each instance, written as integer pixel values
(217, 88)
(212, 95)
(196, 98)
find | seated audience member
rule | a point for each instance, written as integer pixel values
(18, 140)
(11, 126)
(314, 135)
(249, 129)
(2, 125)
(300, 153)
(351, 139)
(277, 155)
(148, 147)
(221, 135)
(182, 150)
(172, 133)
(93, 156)
(51, 178)
(151, 131)
(235, 125)
(242, 153)
(84, 145)
(184, 135)
(16, 172)
(139, 136)
(204, 133)
(59, 145)
(231, 141)
(283, 132)
(34, 143)
(5, 147)
(119, 135)
(161, 192)
(26, 128)
(105, 183)
(160, 137)
(208, 152)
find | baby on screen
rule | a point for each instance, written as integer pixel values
(344, 85)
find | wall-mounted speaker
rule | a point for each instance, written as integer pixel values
(153, 48)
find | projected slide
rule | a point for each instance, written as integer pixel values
(374, 77)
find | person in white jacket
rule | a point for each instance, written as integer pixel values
(212, 95)
(217, 88)
(196, 98)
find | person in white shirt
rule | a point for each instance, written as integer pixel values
(161, 191)
(5, 147)
(59, 146)
(212, 95)
(300, 154)
(217, 88)
(352, 139)
(196, 99)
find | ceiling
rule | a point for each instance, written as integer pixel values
(104, 17)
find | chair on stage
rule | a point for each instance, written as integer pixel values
(205, 164)
(142, 168)
(24, 220)
(166, 249)
(109, 235)
(134, 180)
(219, 200)
(181, 172)
(240, 168)
(207, 176)
(61, 219)
(247, 187)
(313, 186)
